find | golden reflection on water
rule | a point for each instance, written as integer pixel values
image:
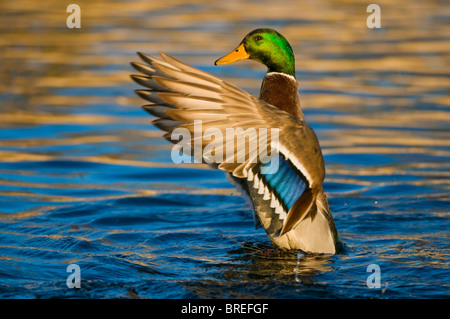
(372, 88)
(378, 100)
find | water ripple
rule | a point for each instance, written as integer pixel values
(86, 179)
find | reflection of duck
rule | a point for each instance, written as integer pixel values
(291, 204)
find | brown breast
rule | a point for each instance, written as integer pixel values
(281, 91)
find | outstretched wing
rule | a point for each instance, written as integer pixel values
(185, 99)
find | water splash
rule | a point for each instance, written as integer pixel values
(300, 255)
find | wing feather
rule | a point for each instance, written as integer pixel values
(182, 95)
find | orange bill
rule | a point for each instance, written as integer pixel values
(237, 54)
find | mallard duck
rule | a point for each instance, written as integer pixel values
(288, 202)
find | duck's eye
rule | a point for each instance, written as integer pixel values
(258, 38)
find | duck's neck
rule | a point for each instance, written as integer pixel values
(281, 90)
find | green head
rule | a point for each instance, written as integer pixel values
(266, 46)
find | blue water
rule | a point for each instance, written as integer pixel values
(85, 179)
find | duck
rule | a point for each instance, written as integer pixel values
(282, 179)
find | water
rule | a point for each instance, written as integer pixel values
(86, 180)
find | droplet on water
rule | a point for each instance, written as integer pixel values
(300, 255)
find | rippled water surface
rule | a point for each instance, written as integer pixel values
(85, 179)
